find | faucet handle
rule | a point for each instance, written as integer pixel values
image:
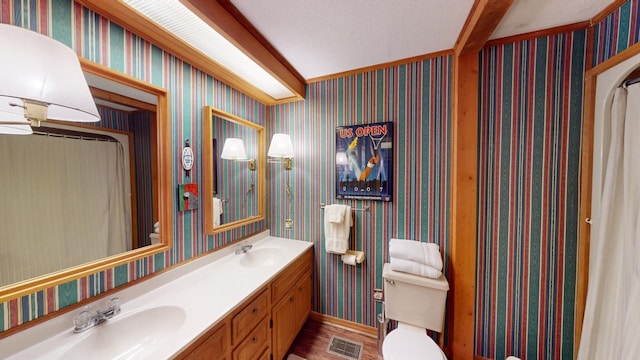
(83, 320)
(113, 305)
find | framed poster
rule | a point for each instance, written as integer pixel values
(364, 161)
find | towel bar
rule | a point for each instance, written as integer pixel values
(366, 208)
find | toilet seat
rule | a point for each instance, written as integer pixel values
(408, 342)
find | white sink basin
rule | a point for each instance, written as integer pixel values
(128, 336)
(260, 257)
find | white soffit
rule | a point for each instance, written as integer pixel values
(326, 37)
(526, 16)
(180, 21)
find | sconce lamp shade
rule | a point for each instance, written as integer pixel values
(281, 146)
(40, 79)
(233, 149)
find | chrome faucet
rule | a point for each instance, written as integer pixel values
(86, 319)
(243, 248)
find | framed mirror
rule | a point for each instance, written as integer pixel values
(62, 231)
(234, 183)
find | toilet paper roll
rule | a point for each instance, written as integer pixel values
(349, 259)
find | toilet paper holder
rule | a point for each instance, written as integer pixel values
(353, 257)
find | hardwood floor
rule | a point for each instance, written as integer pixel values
(313, 340)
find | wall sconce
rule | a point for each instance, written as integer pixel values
(281, 150)
(40, 79)
(233, 149)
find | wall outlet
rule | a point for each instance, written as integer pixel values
(288, 224)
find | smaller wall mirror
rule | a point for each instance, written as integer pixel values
(234, 171)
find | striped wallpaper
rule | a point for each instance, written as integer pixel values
(529, 153)
(616, 32)
(97, 39)
(416, 97)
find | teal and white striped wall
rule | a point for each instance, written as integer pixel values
(416, 98)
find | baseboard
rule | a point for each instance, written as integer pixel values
(345, 324)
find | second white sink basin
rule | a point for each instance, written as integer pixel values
(128, 336)
(266, 256)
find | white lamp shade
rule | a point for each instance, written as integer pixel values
(233, 149)
(37, 68)
(281, 146)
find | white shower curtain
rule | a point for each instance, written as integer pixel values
(63, 204)
(611, 328)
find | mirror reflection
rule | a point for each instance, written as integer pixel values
(234, 176)
(80, 193)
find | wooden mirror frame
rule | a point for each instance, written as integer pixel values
(208, 114)
(164, 202)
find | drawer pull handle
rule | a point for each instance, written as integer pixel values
(255, 339)
(291, 298)
(255, 310)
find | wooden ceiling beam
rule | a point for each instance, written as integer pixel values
(482, 21)
(227, 20)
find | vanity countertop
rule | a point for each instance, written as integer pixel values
(165, 314)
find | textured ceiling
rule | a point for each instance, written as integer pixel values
(320, 38)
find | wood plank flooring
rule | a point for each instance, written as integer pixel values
(313, 340)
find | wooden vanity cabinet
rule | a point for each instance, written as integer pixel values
(291, 296)
(266, 324)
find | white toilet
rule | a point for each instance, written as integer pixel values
(417, 303)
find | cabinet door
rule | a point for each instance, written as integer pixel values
(214, 347)
(284, 324)
(303, 300)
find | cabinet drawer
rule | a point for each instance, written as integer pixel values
(255, 344)
(249, 316)
(287, 279)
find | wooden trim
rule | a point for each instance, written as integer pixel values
(629, 52)
(584, 229)
(482, 21)
(607, 11)
(478, 357)
(381, 66)
(464, 170)
(120, 99)
(345, 324)
(540, 33)
(120, 13)
(223, 16)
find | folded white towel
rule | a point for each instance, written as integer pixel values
(337, 233)
(218, 209)
(335, 213)
(415, 268)
(420, 252)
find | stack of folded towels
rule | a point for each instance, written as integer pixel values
(415, 257)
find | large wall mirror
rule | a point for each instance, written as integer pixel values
(234, 170)
(84, 198)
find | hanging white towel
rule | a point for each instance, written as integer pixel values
(335, 213)
(337, 233)
(415, 268)
(217, 211)
(420, 252)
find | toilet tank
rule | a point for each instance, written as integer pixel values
(413, 299)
